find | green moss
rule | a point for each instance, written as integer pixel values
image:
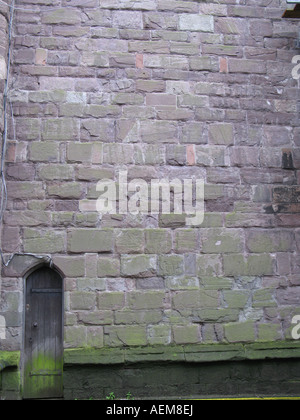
(183, 353)
(9, 359)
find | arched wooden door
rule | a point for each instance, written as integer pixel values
(43, 335)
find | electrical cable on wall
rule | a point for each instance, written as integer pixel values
(3, 200)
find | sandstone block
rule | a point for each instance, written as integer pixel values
(186, 334)
(90, 240)
(108, 267)
(145, 300)
(158, 241)
(130, 241)
(60, 129)
(138, 266)
(62, 16)
(37, 241)
(111, 300)
(254, 265)
(193, 22)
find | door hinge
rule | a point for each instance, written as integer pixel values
(46, 373)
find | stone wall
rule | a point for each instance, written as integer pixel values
(162, 89)
(4, 46)
(3, 57)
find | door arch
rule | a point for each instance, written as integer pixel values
(43, 335)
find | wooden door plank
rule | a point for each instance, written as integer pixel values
(43, 367)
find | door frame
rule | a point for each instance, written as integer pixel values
(25, 277)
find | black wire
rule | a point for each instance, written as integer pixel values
(3, 202)
(5, 97)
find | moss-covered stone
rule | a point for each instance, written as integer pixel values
(240, 332)
(254, 265)
(9, 359)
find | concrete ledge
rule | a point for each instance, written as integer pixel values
(190, 353)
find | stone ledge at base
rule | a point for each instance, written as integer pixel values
(189, 353)
(9, 359)
(256, 369)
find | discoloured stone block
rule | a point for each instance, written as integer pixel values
(138, 266)
(191, 22)
(90, 240)
(253, 265)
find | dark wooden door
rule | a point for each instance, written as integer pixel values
(43, 341)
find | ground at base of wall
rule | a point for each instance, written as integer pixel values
(255, 370)
(185, 380)
(165, 381)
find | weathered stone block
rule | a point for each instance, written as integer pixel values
(153, 86)
(127, 19)
(186, 334)
(158, 241)
(264, 298)
(130, 241)
(94, 337)
(60, 129)
(186, 240)
(116, 153)
(196, 300)
(171, 265)
(75, 337)
(204, 64)
(128, 317)
(28, 129)
(3, 68)
(123, 98)
(96, 174)
(209, 265)
(10, 238)
(158, 132)
(182, 283)
(219, 315)
(111, 300)
(260, 241)
(27, 218)
(66, 190)
(84, 152)
(130, 335)
(247, 66)
(82, 300)
(236, 299)
(43, 151)
(108, 267)
(210, 156)
(145, 300)
(37, 241)
(70, 266)
(95, 59)
(62, 16)
(90, 284)
(96, 317)
(193, 22)
(90, 240)
(138, 266)
(221, 134)
(191, 101)
(56, 172)
(269, 332)
(253, 265)
(221, 241)
(156, 20)
(159, 335)
(240, 332)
